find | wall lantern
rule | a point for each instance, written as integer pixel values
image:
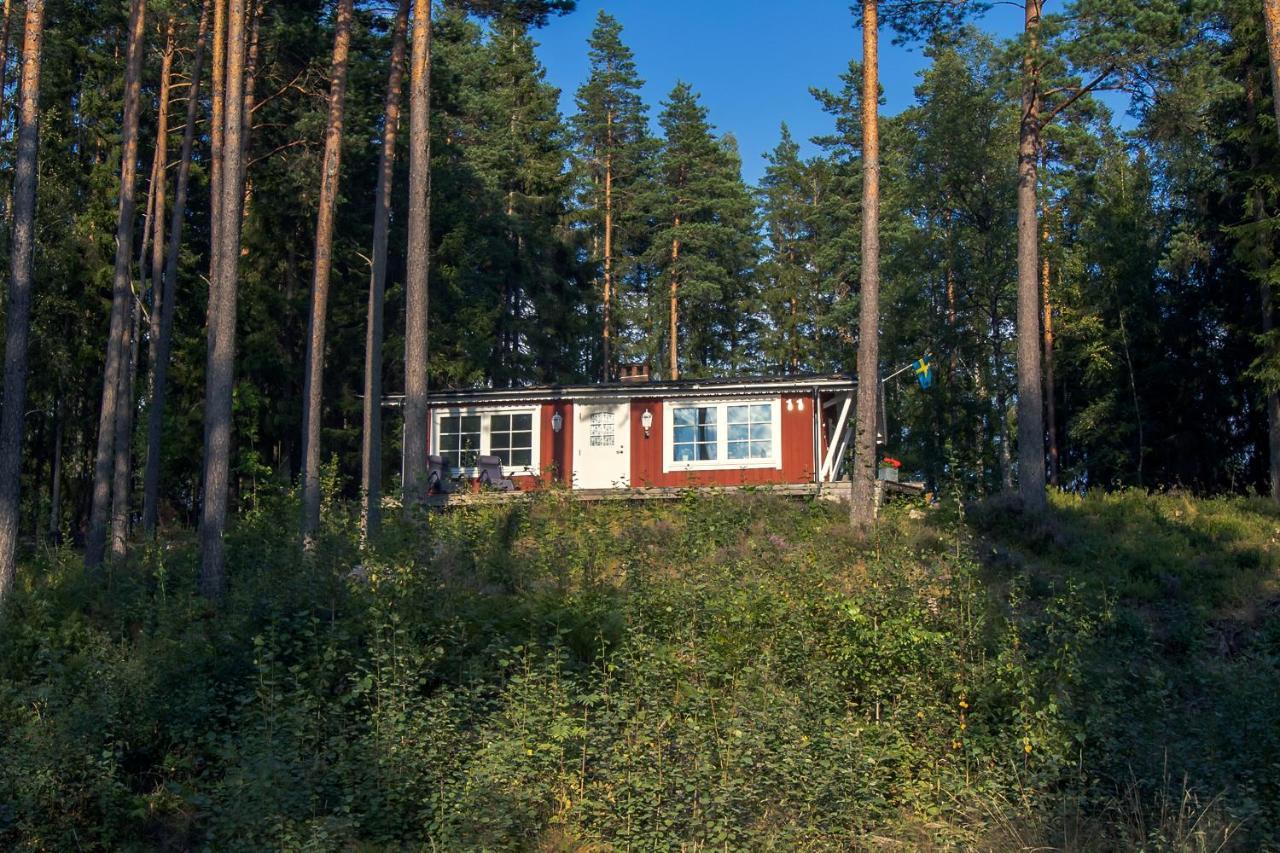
(646, 421)
(557, 422)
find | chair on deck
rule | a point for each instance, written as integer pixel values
(491, 474)
(438, 480)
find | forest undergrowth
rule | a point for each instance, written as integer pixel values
(727, 672)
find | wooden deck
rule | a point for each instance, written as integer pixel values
(838, 491)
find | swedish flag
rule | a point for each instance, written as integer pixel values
(924, 372)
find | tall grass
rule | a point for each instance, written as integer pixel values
(725, 671)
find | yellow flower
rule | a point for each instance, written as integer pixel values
(964, 726)
(1026, 746)
(964, 704)
(955, 744)
(919, 715)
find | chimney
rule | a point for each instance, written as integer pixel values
(633, 373)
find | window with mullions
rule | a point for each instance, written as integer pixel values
(511, 439)
(750, 431)
(694, 433)
(460, 440)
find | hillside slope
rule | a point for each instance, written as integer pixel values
(731, 671)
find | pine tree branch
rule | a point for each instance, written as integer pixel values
(1093, 84)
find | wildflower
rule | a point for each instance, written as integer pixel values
(963, 725)
(1026, 746)
(955, 744)
(919, 715)
(964, 704)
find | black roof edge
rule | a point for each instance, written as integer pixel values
(739, 384)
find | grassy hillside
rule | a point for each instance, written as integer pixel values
(721, 672)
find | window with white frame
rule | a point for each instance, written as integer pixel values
(510, 434)
(511, 439)
(721, 434)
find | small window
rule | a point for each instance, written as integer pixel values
(460, 439)
(694, 433)
(511, 439)
(750, 431)
(602, 431)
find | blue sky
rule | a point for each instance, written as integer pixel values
(752, 61)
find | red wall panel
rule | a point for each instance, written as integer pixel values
(797, 452)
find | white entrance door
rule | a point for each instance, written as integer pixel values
(602, 446)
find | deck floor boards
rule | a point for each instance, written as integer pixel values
(827, 491)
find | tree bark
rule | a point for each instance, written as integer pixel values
(862, 504)
(122, 292)
(164, 335)
(159, 191)
(220, 370)
(1051, 416)
(674, 332)
(1271, 17)
(608, 245)
(122, 468)
(371, 445)
(419, 249)
(18, 311)
(313, 384)
(1030, 397)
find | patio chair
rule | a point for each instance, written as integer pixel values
(491, 474)
(438, 480)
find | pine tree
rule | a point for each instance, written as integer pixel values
(18, 313)
(862, 504)
(331, 168)
(110, 414)
(703, 238)
(614, 151)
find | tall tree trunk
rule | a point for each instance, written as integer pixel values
(313, 386)
(1271, 16)
(220, 370)
(158, 191)
(121, 293)
(862, 504)
(1051, 416)
(122, 467)
(419, 249)
(55, 486)
(608, 245)
(1030, 397)
(673, 342)
(371, 444)
(164, 336)
(18, 312)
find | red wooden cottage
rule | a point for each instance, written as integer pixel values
(637, 433)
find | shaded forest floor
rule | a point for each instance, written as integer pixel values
(727, 672)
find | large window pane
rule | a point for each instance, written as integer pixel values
(750, 431)
(511, 439)
(694, 433)
(460, 440)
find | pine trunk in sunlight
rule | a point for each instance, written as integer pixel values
(18, 309)
(371, 433)
(121, 294)
(313, 384)
(1030, 393)
(167, 287)
(419, 250)
(862, 503)
(673, 341)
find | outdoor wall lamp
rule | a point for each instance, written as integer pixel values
(646, 421)
(557, 421)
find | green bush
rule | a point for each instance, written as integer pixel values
(734, 671)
